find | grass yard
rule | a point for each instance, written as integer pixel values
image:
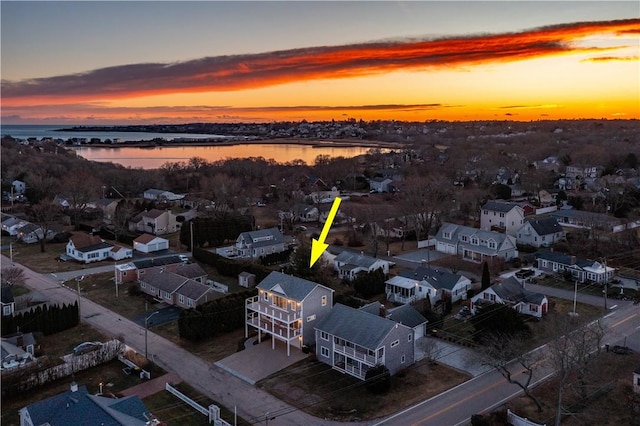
(316, 388)
(172, 411)
(58, 344)
(30, 256)
(110, 374)
(611, 402)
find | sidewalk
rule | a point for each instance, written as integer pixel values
(153, 386)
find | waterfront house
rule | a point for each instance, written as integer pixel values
(353, 340)
(288, 308)
(511, 293)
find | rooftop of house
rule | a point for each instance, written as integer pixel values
(263, 237)
(291, 287)
(357, 326)
(82, 408)
(499, 206)
(356, 259)
(158, 261)
(163, 280)
(511, 290)
(437, 278)
(7, 295)
(191, 270)
(563, 259)
(146, 238)
(545, 225)
(84, 242)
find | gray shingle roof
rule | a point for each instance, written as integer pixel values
(158, 261)
(250, 237)
(81, 408)
(191, 270)
(356, 259)
(357, 326)
(163, 280)
(407, 315)
(498, 206)
(511, 290)
(437, 278)
(545, 226)
(193, 290)
(563, 259)
(292, 287)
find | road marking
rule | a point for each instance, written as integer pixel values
(624, 320)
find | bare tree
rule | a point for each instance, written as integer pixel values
(430, 349)
(507, 354)
(425, 199)
(81, 187)
(571, 352)
(13, 276)
(44, 215)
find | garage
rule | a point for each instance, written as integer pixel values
(147, 243)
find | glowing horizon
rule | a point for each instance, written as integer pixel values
(573, 70)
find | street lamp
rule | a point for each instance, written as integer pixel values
(146, 328)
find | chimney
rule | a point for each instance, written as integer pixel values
(573, 260)
(74, 386)
(383, 311)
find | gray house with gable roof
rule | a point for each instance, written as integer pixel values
(436, 283)
(540, 232)
(176, 289)
(582, 270)
(511, 293)
(349, 264)
(475, 245)
(354, 340)
(287, 308)
(502, 216)
(255, 244)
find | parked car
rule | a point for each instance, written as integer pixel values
(525, 273)
(184, 258)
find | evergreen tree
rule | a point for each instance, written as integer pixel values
(486, 276)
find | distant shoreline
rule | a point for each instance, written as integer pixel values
(315, 143)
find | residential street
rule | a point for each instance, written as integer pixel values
(453, 407)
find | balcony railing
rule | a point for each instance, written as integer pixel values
(350, 369)
(355, 354)
(275, 329)
(396, 297)
(269, 310)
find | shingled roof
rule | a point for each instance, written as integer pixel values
(292, 287)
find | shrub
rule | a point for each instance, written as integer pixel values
(378, 379)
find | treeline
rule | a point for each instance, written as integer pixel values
(211, 318)
(45, 319)
(369, 284)
(230, 268)
(216, 230)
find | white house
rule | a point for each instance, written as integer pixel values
(154, 221)
(161, 195)
(88, 248)
(349, 264)
(540, 232)
(255, 244)
(475, 245)
(147, 243)
(18, 187)
(380, 184)
(503, 216)
(582, 270)
(511, 293)
(447, 284)
(119, 253)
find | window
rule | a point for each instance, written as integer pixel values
(324, 335)
(280, 302)
(446, 235)
(190, 302)
(324, 351)
(474, 241)
(293, 305)
(181, 298)
(465, 238)
(266, 296)
(311, 318)
(167, 295)
(324, 300)
(402, 359)
(533, 308)
(143, 285)
(492, 244)
(395, 343)
(410, 337)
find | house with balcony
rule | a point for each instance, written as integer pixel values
(403, 314)
(582, 270)
(511, 293)
(353, 340)
(407, 290)
(475, 245)
(501, 216)
(349, 264)
(287, 308)
(540, 232)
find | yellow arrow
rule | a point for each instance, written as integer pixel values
(318, 246)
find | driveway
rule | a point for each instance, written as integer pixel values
(257, 362)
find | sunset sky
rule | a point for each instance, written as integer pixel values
(172, 62)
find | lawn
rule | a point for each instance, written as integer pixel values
(611, 400)
(30, 256)
(316, 388)
(173, 411)
(58, 344)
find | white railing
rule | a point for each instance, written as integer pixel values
(515, 420)
(396, 297)
(213, 412)
(271, 311)
(353, 353)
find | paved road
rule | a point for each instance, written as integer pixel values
(251, 402)
(453, 407)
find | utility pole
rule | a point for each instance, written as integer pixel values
(78, 279)
(11, 253)
(575, 298)
(146, 329)
(191, 228)
(115, 274)
(606, 283)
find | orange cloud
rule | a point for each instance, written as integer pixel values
(611, 58)
(238, 72)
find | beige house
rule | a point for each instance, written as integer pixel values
(502, 216)
(154, 221)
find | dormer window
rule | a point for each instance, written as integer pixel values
(474, 241)
(446, 235)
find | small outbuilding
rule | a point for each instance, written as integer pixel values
(147, 243)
